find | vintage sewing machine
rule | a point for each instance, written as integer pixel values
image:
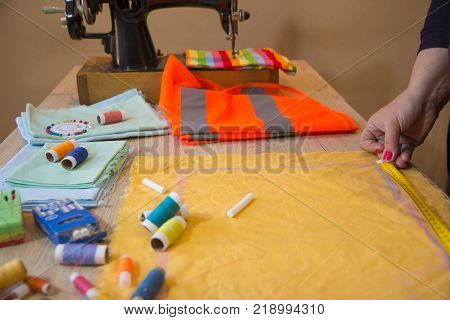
(134, 60)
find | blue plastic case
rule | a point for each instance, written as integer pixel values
(67, 221)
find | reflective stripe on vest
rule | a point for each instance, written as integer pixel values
(193, 112)
(266, 109)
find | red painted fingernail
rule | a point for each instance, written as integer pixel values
(387, 156)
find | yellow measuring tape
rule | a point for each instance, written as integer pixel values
(433, 219)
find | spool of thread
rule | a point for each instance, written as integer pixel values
(74, 158)
(83, 286)
(12, 272)
(39, 285)
(19, 291)
(150, 286)
(125, 271)
(144, 214)
(167, 209)
(61, 150)
(168, 233)
(184, 212)
(81, 254)
(111, 117)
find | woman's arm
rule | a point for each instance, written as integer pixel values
(398, 128)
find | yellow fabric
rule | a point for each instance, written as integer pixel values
(324, 226)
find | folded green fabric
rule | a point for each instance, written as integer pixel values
(105, 159)
(139, 117)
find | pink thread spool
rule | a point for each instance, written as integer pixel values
(111, 117)
(18, 292)
(83, 286)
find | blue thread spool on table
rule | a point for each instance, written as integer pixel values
(166, 210)
(75, 158)
(150, 286)
(81, 254)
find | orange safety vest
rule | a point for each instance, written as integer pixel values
(201, 111)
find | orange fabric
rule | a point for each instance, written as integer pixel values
(231, 114)
(222, 118)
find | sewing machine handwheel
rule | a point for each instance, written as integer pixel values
(74, 20)
(90, 10)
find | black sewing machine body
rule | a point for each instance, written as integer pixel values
(129, 42)
(133, 58)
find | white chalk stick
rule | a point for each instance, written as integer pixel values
(240, 205)
(153, 185)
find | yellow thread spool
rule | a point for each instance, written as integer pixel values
(168, 233)
(11, 273)
(61, 150)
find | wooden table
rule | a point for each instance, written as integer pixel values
(37, 251)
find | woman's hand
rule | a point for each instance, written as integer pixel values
(397, 129)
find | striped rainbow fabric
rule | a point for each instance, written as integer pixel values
(246, 59)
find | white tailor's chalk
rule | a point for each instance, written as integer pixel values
(240, 205)
(153, 185)
(380, 161)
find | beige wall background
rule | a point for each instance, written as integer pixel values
(366, 46)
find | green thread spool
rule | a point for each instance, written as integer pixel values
(166, 210)
(168, 233)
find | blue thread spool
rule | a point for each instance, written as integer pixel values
(166, 210)
(75, 158)
(81, 254)
(150, 286)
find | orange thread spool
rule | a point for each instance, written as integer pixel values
(111, 117)
(125, 271)
(38, 285)
(61, 150)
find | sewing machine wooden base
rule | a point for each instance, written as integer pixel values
(96, 81)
